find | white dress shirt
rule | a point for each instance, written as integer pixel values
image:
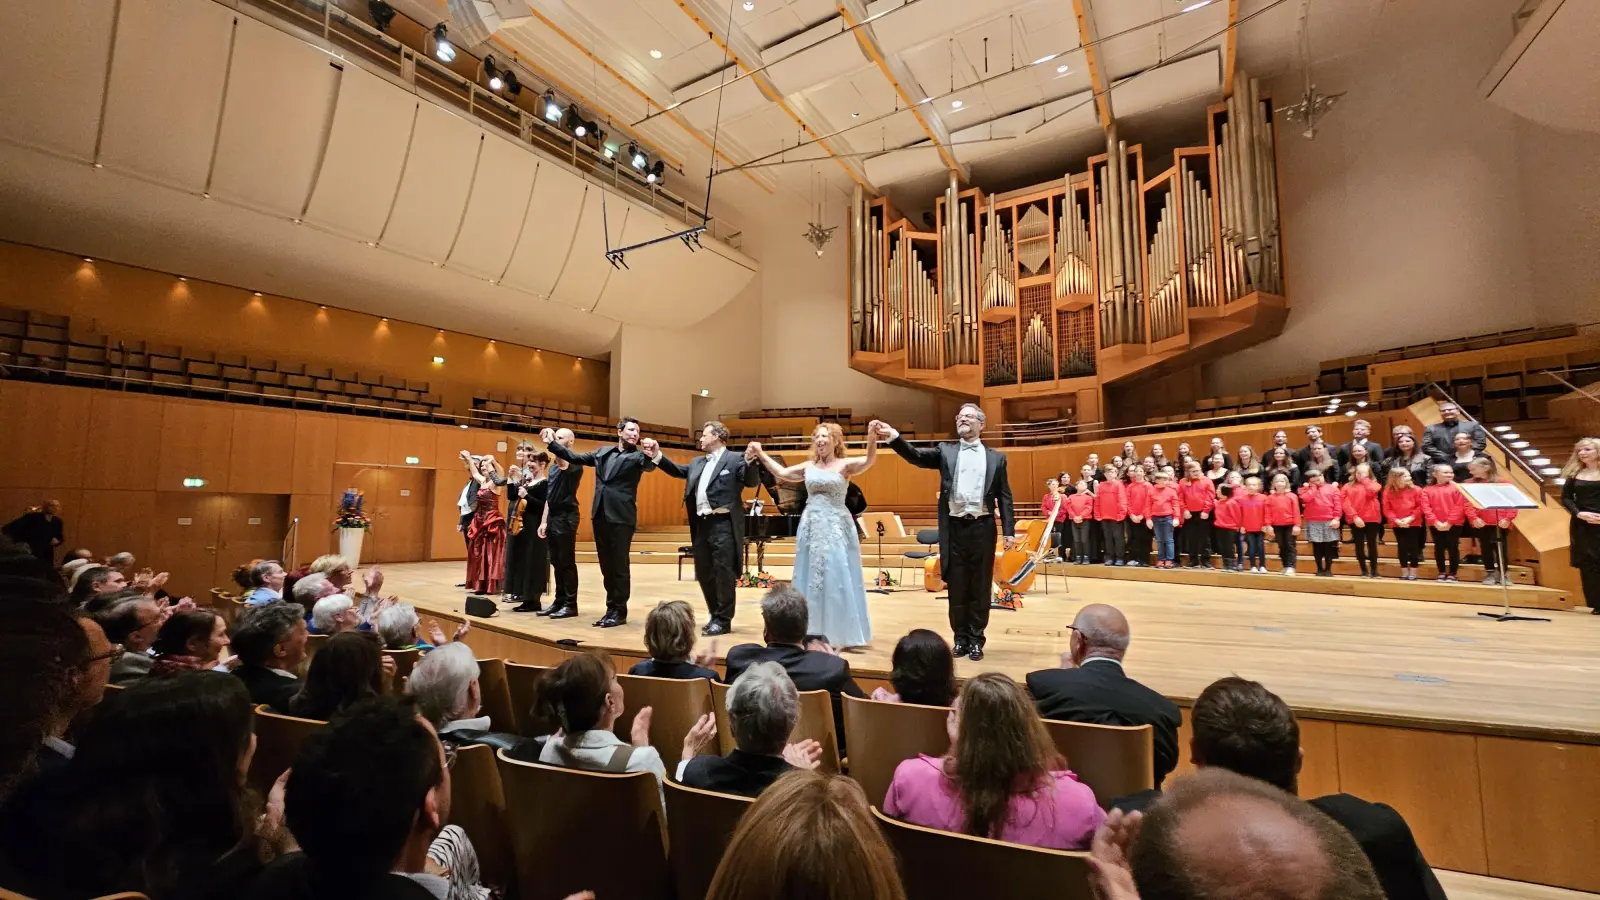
(972, 468)
(702, 503)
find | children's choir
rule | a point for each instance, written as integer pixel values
(1150, 510)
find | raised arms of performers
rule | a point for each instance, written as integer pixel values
(923, 457)
(794, 473)
(856, 465)
(548, 436)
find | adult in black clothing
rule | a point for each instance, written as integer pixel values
(924, 671)
(40, 530)
(973, 488)
(1241, 726)
(1092, 687)
(615, 513)
(559, 528)
(1302, 457)
(1216, 449)
(713, 496)
(669, 636)
(763, 709)
(47, 659)
(1359, 434)
(271, 643)
(1439, 439)
(527, 554)
(784, 616)
(1580, 495)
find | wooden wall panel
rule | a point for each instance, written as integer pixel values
(1319, 765)
(50, 430)
(250, 526)
(110, 522)
(262, 461)
(409, 440)
(1430, 777)
(362, 440)
(1539, 802)
(197, 442)
(184, 539)
(315, 437)
(316, 526)
(123, 450)
(916, 486)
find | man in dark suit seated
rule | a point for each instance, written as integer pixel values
(1092, 687)
(784, 614)
(763, 709)
(271, 643)
(1241, 726)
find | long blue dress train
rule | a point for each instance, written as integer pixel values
(827, 563)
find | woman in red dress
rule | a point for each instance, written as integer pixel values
(486, 534)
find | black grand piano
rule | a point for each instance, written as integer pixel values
(781, 518)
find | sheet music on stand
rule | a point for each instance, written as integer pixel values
(1499, 495)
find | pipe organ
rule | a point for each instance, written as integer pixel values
(1199, 242)
(999, 274)
(1248, 174)
(895, 291)
(922, 313)
(1121, 274)
(1164, 261)
(1074, 255)
(957, 250)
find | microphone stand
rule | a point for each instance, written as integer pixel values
(875, 589)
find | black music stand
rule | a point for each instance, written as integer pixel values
(1500, 496)
(875, 589)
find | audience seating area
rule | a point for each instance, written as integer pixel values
(1350, 373)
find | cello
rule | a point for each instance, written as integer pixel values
(1015, 569)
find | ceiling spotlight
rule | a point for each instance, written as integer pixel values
(87, 260)
(513, 86)
(255, 293)
(577, 123)
(636, 157)
(655, 173)
(552, 109)
(610, 151)
(955, 104)
(382, 14)
(926, 100)
(655, 54)
(442, 48)
(1335, 401)
(855, 115)
(749, 5)
(495, 83)
(183, 279)
(1061, 70)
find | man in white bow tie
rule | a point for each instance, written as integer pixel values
(713, 495)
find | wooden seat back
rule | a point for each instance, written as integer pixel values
(816, 723)
(676, 704)
(944, 865)
(699, 825)
(478, 805)
(573, 830)
(314, 642)
(404, 662)
(883, 735)
(522, 683)
(496, 695)
(1113, 760)
(278, 739)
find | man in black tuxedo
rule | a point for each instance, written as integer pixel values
(1241, 726)
(615, 513)
(713, 495)
(1092, 687)
(972, 487)
(784, 616)
(1302, 457)
(1359, 430)
(559, 528)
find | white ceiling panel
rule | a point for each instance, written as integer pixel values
(165, 90)
(584, 276)
(433, 189)
(547, 231)
(496, 208)
(1198, 76)
(275, 119)
(821, 63)
(366, 153)
(929, 20)
(738, 98)
(52, 73)
(1546, 74)
(667, 285)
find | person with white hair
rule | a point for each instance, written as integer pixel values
(311, 588)
(401, 629)
(333, 614)
(763, 709)
(449, 695)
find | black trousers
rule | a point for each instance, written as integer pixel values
(527, 565)
(1589, 576)
(564, 560)
(1489, 539)
(1112, 536)
(613, 541)
(969, 574)
(716, 565)
(1447, 549)
(1226, 542)
(1197, 540)
(1061, 539)
(1408, 542)
(1139, 540)
(1365, 537)
(1286, 542)
(1082, 543)
(1324, 553)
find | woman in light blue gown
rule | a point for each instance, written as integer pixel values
(827, 556)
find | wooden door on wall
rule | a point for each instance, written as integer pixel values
(251, 526)
(184, 542)
(399, 501)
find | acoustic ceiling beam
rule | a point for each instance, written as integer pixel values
(899, 75)
(1097, 75)
(1230, 48)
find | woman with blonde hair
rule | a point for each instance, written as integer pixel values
(810, 836)
(1580, 494)
(827, 555)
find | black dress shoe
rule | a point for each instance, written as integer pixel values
(976, 654)
(565, 612)
(962, 648)
(716, 628)
(610, 622)
(526, 607)
(551, 610)
(462, 584)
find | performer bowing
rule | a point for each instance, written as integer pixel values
(713, 495)
(972, 487)
(559, 528)
(615, 513)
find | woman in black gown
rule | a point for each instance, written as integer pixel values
(1580, 494)
(527, 554)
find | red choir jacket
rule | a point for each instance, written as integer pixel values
(1283, 509)
(1227, 514)
(1323, 504)
(1198, 496)
(1361, 501)
(1139, 499)
(1403, 504)
(1252, 513)
(1048, 501)
(1444, 503)
(1164, 501)
(1111, 502)
(1081, 506)
(1489, 516)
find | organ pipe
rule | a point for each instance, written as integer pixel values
(858, 267)
(1121, 305)
(999, 274)
(1164, 264)
(895, 293)
(1247, 171)
(1074, 266)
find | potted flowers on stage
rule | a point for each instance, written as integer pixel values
(352, 524)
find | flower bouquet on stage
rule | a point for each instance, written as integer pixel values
(352, 523)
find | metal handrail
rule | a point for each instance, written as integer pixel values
(1569, 385)
(291, 543)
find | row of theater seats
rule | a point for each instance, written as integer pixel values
(494, 798)
(1350, 373)
(514, 413)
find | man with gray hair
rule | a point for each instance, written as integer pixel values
(1092, 687)
(271, 643)
(308, 589)
(713, 496)
(973, 489)
(763, 709)
(448, 694)
(266, 581)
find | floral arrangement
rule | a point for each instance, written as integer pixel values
(1008, 599)
(884, 579)
(351, 514)
(756, 580)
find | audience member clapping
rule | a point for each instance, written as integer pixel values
(350, 668)
(308, 589)
(95, 586)
(669, 636)
(924, 671)
(189, 641)
(271, 643)
(448, 694)
(153, 800)
(334, 614)
(1002, 777)
(763, 709)
(401, 629)
(583, 697)
(809, 837)
(132, 623)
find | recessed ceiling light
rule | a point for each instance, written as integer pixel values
(655, 54)
(1061, 70)
(749, 5)
(955, 104)
(855, 115)
(1044, 59)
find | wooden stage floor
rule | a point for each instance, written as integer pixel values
(1388, 661)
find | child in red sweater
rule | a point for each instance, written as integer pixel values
(1283, 514)
(1324, 508)
(1402, 508)
(1252, 523)
(1489, 526)
(1359, 497)
(1139, 532)
(1054, 499)
(1080, 511)
(1225, 533)
(1111, 511)
(1199, 496)
(1444, 508)
(1164, 508)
